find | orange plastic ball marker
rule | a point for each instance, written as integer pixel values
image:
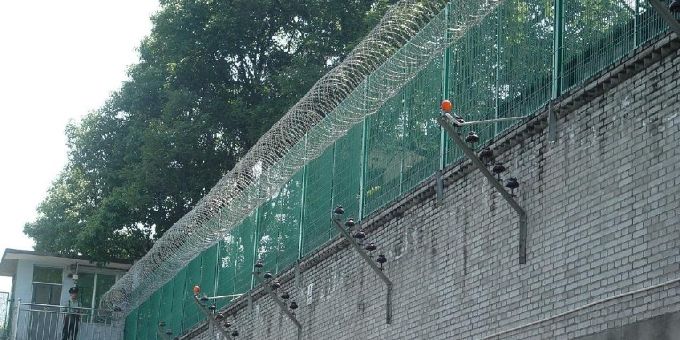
(446, 106)
(197, 289)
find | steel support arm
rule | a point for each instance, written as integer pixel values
(211, 318)
(372, 264)
(666, 15)
(448, 123)
(282, 306)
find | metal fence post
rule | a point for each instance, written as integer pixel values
(558, 68)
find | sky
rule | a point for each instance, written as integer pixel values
(59, 60)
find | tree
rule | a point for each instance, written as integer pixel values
(212, 77)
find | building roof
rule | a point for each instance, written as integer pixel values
(8, 264)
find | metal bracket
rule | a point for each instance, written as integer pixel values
(448, 123)
(666, 15)
(211, 318)
(373, 266)
(282, 306)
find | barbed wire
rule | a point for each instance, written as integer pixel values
(408, 37)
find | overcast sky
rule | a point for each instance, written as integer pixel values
(58, 61)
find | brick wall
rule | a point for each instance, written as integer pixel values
(603, 203)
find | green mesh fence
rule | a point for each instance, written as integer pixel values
(316, 227)
(144, 320)
(510, 64)
(191, 314)
(165, 306)
(278, 230)
(130, 332)
(347, 173)
(154, 315)
(174, 322)
(384, 140)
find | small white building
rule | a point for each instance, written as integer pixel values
(40, 284)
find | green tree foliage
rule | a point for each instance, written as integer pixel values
(212, 77)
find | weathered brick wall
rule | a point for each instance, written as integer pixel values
(604, 221)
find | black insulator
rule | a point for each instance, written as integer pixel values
(161, 324)
(204, 298)
(293, 305)
(674, 6)
(350, 223)
(285, 296)
(268, 275)
(276, 285)
(212, 307)
(259, 264)
(234, 333)
(498, 168)
(512, 183)
(486, 154)
(227, 324)
(381, 259)
(339, 210)
(371, 247)
(168, 332)
(360, 235)
(219, 316)
(472, 137)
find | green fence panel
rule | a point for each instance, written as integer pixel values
(316, 226)
(597, 33)
(191, 314)
(421, 140)
(347, 172)
(236, 259)
(165, 306)
(154, 315)
(209, 271)
(143, 319)
(279, 227)
(649, 23)
(178, 292)
(525, 34)
(472, 79)
(130, 332)
(245, 258)
(384, 161)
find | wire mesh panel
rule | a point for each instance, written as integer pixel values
(649, 23)
(236, 254)
(347, 172)
(130, 332)
(209, 271)
(191, 314)
(525, 33)
(597, 33)
(154, 316)
(244, 260)
(421, 136)
(165, 305)
(384, 161)
(143, 320)
(179, 292)
(472, 78)
(279, 227)
(316, 227)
